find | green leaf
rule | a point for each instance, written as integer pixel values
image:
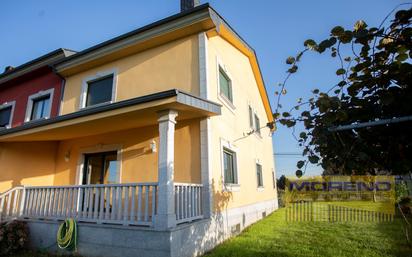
(290, 60)
(337, 31)
(340, 71)
(293, 69)
(300, 164)
(401, 57)
(299, 173)
(286, 114)
(315, 91)
(302, 135)
(359, 25)
(313, 159)
(310, 44)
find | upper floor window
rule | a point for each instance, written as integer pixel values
(225, 85)
(39, 105)
(259, 175)
(251, 117)
(6, 115)
(41, 108)
(98, 89)
(257, 124)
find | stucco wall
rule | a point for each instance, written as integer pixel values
(19, 91)
(173, 65)
(138, 162)
(27, 163)
(232, 125)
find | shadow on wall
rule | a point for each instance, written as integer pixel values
(205, 236)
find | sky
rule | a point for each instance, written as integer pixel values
(275, 29)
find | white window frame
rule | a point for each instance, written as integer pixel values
(7, 105)
(229, 104)
(98, 75)
(258, 131)
(229, 186)
(98, 149)
(259, 188)
(33, 97)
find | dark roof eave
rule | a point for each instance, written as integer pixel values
(42, 61)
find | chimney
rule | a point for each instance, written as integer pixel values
(186, 5)
(8, 68)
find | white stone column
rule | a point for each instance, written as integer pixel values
(166, 216)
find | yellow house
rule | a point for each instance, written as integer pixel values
(161, 137)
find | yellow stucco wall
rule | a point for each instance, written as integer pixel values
(138, 162)
(56, 163)
(232, 125)
(27, 163)
(173, 65)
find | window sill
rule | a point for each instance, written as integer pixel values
(231, 187)
(96, 105)
(260, 189)
(226, 102)
(32, 121)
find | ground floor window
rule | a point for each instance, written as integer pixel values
(229, 166)
(259, 175)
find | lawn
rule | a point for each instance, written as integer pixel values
(273, 236)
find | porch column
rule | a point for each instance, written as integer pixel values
(166, 216)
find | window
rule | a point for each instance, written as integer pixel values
(99, 91)
(259, 175)
(41, 108)
(257, 124)
(6, 115)
(39, 105)
(229, 166)
(225, 85)
(250, 117)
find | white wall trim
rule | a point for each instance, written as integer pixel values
(205, 131)
(97, 149)
(33, 97)
(98, 75)
(6, 105)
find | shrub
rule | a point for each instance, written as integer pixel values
(13, 237)
(401, 190)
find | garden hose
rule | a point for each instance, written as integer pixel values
(67, 235)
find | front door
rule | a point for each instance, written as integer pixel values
(101, 168)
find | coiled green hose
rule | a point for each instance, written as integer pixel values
(67, 235)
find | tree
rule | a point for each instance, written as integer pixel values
(281, 183)
(374, 78)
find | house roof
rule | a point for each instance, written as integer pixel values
(200, 18)
(42, 61)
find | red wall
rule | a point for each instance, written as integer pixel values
(20, 89)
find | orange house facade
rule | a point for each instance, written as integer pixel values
(160, 142)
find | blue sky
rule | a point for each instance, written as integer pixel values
(275, 29)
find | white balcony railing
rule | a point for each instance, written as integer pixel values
(126, 204)
(188, 202)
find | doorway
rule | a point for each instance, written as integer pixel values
(101, 168)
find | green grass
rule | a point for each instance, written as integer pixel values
(273, 236)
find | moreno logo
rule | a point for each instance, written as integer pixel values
(340, 186)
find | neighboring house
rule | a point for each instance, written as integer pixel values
(31, 91)
(152, 151)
